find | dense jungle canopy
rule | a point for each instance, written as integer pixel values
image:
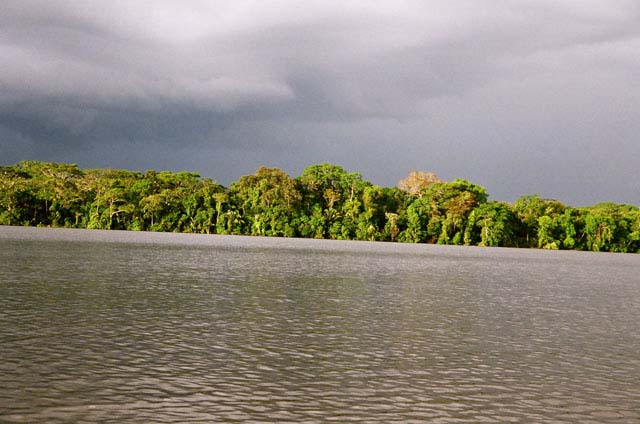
(325, 201)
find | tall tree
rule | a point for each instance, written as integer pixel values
(337, 193)
(268, 201)
(417, 182)
(450, 204)
(491, 224)
(14, 196)
(529, 209)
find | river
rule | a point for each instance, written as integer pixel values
(109, 326)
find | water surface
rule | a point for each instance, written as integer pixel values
(149, 327)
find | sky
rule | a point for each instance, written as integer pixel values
(519, 96)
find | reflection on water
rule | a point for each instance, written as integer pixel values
(134, 327)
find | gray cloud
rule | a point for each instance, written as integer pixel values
(520, 96)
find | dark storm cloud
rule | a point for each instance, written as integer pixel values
(521, 96)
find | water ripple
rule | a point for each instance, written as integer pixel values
(173, 332)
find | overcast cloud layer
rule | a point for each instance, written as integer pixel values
(519, 96)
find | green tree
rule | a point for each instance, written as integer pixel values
(450, 205)
(324, 202)
(313, 224)
(205, 211)
(55, 196)
(337, 193)
(491, 224)
(418, 217)
(111, 193)
(529, 209)
(14, 197)
(268, 201)
(610, 227)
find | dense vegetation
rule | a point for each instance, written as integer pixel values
(324, 202)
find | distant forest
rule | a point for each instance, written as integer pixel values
(324, 202)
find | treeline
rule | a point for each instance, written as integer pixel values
(324, 202)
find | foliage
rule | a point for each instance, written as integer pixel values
(529, 209)
(268, 200)
(450, 205)
(325, 201)
(491, 224)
